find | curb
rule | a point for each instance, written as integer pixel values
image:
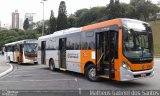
(7, 71)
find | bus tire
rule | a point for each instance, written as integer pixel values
(18, 61)
(51, 65)
(9, 59)
(90, 73)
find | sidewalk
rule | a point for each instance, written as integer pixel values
(4, 67)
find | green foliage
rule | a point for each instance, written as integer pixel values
(89, 16)
(26, 24)
(156, 35)
(71, 21)
(128, 11)
(7, 36)
(52, 23)
(62, 17)
(144, 9)
(114, 9)
(38, 28)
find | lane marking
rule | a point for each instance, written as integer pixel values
(32, 69)
(17, 71)
(64, 79)
(80, 91)
(30, 75)
(8, 81)
(40, 80)
(76, 79)
(27, 69)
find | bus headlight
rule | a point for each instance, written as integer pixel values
(125, 65)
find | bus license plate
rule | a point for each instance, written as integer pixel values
(143, 74)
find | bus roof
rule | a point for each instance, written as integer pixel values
(90, 27)
(21, 41)
(61, 32)
(134, 20)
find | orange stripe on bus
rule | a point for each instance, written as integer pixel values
(102, 24)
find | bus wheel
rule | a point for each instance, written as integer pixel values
(51, 65)
(19, 63)
(91, 73)
(9, 59)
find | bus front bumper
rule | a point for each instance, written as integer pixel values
(127, 75)
(31, 61)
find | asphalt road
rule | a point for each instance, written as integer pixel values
(39, 77)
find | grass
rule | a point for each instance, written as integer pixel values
(156, 36)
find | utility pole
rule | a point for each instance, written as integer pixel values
(43, 17)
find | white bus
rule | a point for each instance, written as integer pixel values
(24, 51)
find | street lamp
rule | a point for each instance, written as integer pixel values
(43, 17)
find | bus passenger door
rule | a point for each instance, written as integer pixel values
(13, 53)
(62, 49)
(102, 57)
(21, 53)
(43, 52)
(113, 51)
(105, 52)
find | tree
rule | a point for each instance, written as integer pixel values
(12, 35)
(71, 21)
(89, 16)
(39, 25)
(117, 9)
(135, 2)
(114, 9)
(62, 16)
(144, 9)
(79, 17)
(127, 11)
(110, 9)
(52, 23)
(26, 24)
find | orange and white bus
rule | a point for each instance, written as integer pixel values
(119, 49)
(24, 51)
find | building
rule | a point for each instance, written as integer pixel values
(30, 17)
(15, 19)
(21, 23)
(6, 26)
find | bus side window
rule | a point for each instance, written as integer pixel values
(6, 49)
(88, 41)
(73, 42)
(12, 48)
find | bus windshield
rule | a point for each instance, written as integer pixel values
(137, 42)
(30, 49)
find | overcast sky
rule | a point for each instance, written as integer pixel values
(34, 6)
